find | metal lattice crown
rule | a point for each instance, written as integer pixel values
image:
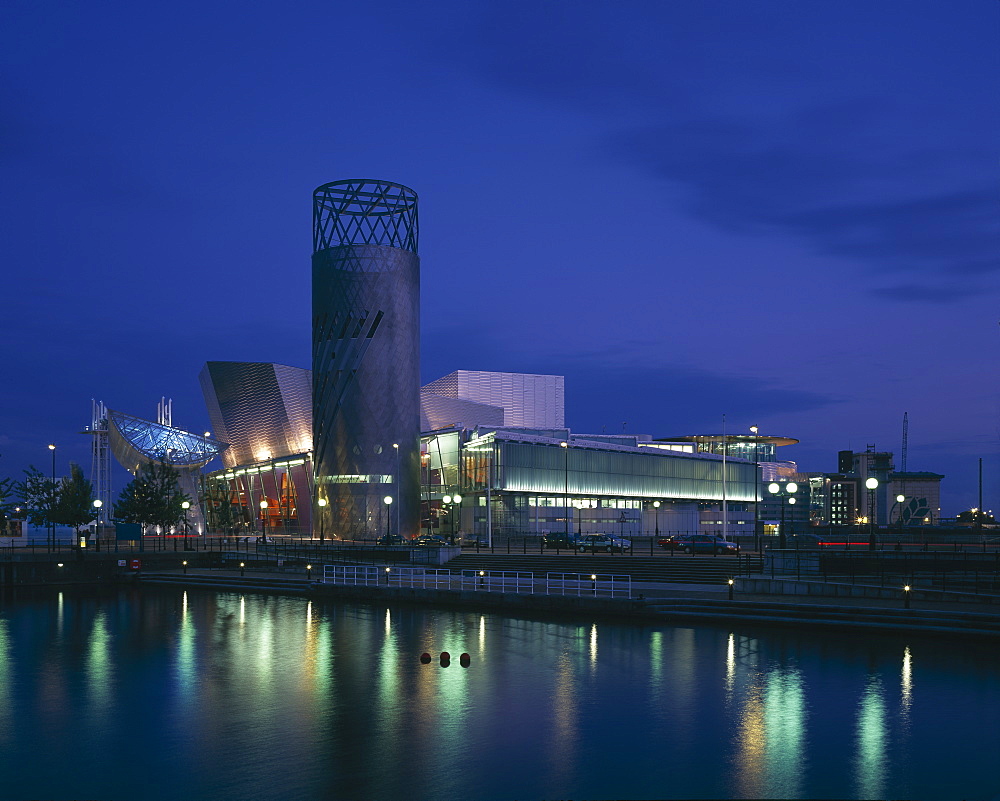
(364, 212)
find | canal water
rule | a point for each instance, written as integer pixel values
(167, 694)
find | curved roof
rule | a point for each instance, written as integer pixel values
(135, 441)
(749, 438)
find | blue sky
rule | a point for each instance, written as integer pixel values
(784, 212)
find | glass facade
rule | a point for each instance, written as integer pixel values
(522, 484)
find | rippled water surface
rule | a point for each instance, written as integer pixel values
(166, 694)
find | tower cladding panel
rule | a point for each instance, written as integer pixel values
(366, 357)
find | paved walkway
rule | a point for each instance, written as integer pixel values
(663, 591)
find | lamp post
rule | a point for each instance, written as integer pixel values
(98, 503)
(387, 500)
(456, 500)
(321, 503)
(872, 485)
(263, 521)
(565, 447)
(756, 488)
(395, 447)
(899, 519)
(185, 505)
(52, 499)
(656, 517)
(788, 492)
(578, 505)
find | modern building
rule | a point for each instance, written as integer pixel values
(134, 442)
(521, 482)
(264, 412)
(366, 356)
(470, 398)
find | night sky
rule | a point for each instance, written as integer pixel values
(780, 212)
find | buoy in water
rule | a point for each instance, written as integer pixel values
(464, 660)
(425, 658)
(445, 659)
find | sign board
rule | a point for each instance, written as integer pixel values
(122, 563)
(135, 564)
(128, 531)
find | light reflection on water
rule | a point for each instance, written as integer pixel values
(229, 696)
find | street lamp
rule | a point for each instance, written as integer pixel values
(387, 500)
(565, 447)
(52, 498)
(263, 521)
(899, 519)
(656, 517)
(98, 503)
(579, 516)
(395, 446)
(452, 501)
(321, 503)
(788, 493)
(185, 505)
(872, 485)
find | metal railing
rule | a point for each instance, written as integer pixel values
(593, 584)
(352, 575)
(435, 578)
(498, 581)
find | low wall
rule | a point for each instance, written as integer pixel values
(826, 589)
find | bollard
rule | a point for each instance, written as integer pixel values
(906, 596)
(185, 563)
(309, 572)
(731, 585)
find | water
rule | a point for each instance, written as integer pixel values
(166, 694)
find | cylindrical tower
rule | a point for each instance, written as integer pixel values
(366, 358)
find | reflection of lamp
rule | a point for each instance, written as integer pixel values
(872, 485)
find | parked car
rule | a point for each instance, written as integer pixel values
(805, 540)
(430, 541)
(559, 540)
(670, 543)
(392, 539)
(260, 540)
(699, 543)
(602, 542)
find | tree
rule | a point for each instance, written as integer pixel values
(152, 498)
(218, 504)
(75, 504)
(7, 503)
(39, 496)
(978, 516)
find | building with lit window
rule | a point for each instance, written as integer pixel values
(515, 482)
